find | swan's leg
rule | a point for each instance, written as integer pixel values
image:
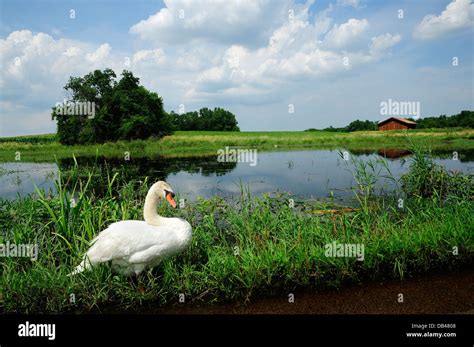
(138, 268)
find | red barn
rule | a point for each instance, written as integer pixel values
(394, 123)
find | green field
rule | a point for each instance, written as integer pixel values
(200, 143)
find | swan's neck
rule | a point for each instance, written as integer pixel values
(149, 210)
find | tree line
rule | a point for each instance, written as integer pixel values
(101, 109)
(205, 119)
(465, 119)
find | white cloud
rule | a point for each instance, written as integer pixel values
(72, 52)
(245, 21)
(35, 68)
(100, 54)
(207, 69)
(382, 42)
(458, 15)
(323, 21)
(293, 54)
(342, 35)
(155, 56)
(353, 3)
(31, 60)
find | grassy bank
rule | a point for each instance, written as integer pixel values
(202, 143)
(241, 249)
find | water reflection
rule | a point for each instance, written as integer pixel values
(160, 168)
(462, 155)
(19, 178)
(308, 174)
(393, 153)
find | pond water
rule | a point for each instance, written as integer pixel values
(306, 174)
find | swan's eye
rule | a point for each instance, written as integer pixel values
(170, 193)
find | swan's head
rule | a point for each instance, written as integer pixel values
(164, 191)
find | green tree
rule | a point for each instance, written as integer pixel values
(217, 119)
(124, 110)
(359, 125)
(465, 119)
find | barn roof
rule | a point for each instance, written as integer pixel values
(401, 120)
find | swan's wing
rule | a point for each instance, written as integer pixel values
(125, 240)
(168, 239)
(152, 253)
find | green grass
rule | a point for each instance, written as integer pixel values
(241, 249)
(196, 143)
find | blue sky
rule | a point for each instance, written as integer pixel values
(333, 61)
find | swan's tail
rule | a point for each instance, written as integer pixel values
(84, 265)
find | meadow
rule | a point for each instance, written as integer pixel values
(45, 148)
(242, 249)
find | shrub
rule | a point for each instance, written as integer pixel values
(428, 179)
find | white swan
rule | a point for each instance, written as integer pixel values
(133, 246)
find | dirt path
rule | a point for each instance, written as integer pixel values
(432, 294)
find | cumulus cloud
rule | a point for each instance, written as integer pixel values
(293, 53)
(37, 60)
(35, 68)
(382, 42)
(155, 57)
(245, 21)
(100, 54)
(458, 15)
(346, 33)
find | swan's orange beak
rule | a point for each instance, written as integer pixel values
(170, 199)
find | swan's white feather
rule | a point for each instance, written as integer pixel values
(133, 246)
(139, 242)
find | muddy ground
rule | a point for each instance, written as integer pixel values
(429, 294)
